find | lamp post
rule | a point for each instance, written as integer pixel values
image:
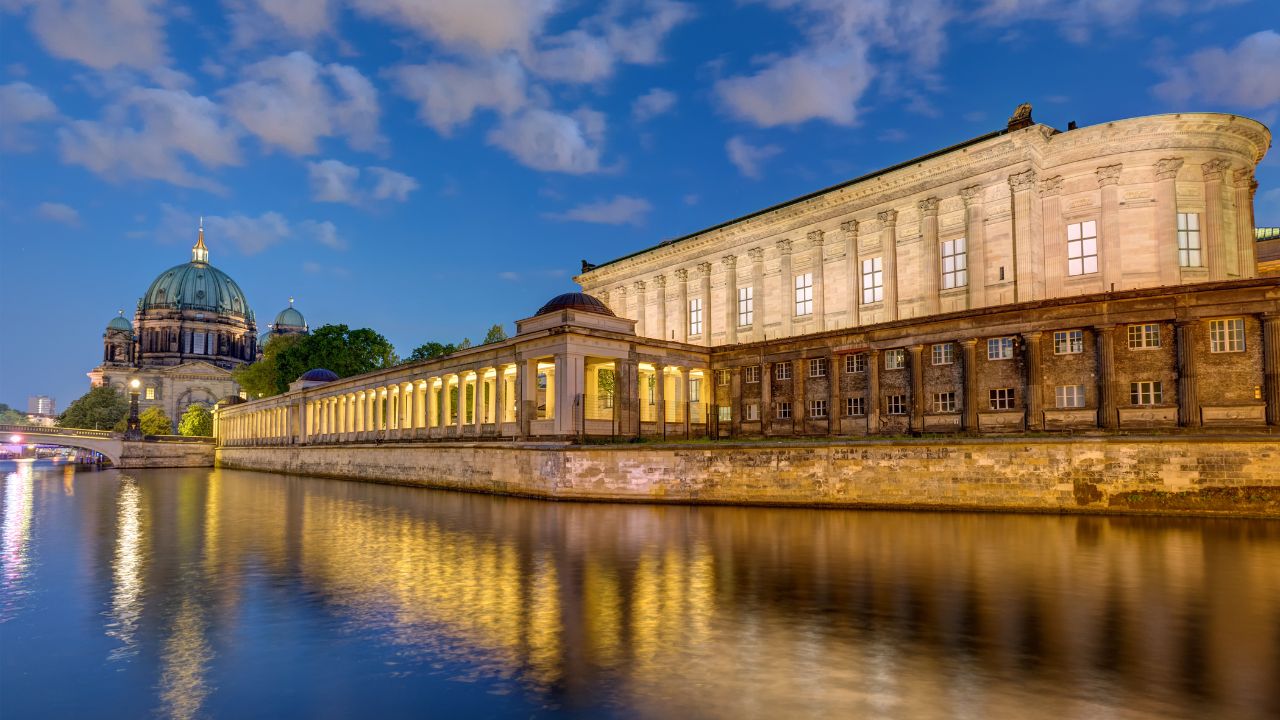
(133, 430)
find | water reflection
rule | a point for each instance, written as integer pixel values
(15, 539)
(220, 580)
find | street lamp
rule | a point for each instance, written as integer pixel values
(133, 431)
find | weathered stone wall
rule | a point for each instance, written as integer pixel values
(1184, 474)
(165, 455)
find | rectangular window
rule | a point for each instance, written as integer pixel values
(804, 294)
(944, 402)
(1000, 348)
(855, 406)
(895, 359)
(872, 281)
(1069, 396)
(695, 316)
(198, 340)
(944, 354)
(855, 363)
(1144, 336)
(1002, 399)
(746, 306)
(817, 408)
(1189, 239)
(955, 264)
(751, 374)
(782, 371)
(1068, 342)
(1146, 392)
(725, 413)
(1082, 248)
(818, 367)
(722, 377)
(897, 404)
(695, 390)
(1226, 335)
(151, 393)
(784, 411)
(751, 411)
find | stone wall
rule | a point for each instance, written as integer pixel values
(1201, 474)
(165, 455)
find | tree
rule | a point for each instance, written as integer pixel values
(495, 334)
(196, 421)
(334, 347)
(9, 416)
(429, 350)
(262, 378)
(154, 421)
(99, 409)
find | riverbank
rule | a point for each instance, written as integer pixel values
(1201, 475)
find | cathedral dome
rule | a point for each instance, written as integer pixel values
(575, 301)
(196, 285)
(289, 321)
(120, 322)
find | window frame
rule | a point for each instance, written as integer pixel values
(1084, 245)
(943, 353)
(1064, 393)
(945, 403)
(803, 296)
(782, 410)
(1146, 393)
(695, 316)
(818, 409)
(954, 254)
(1223, 335)
(872, 280)
(1005, 398)
(853, 404)
(1190, 247)
(1142, 338)
(746, 306)
(723, 378)
(855, 363)
(817, 367)
(751, 412)
(751, 374)
(782, 370)
(1072, 340)
(896, 404)
(900, 359)
(1002, 346)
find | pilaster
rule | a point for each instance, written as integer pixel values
(853, 270)
(873, 391)
(1166, 192)
(970, 399)
(660, 321)
(975, 230)
(730, 263)
(1271, 365)
(1214, 236)
(757, 291)
(929, 239)
(917, 387)
(707, 325)
(788, 282)
(889, 246)
(682, 281)
(1246, 244)
(1105, 336)
(1110, 250)
(1032, 363)
(1022, 185)
(1188, 379)
(642, 303)
(816, 238)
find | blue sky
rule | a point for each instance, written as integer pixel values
(428, 169)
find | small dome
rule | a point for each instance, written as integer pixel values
(289, 318)
(575, 301)
(319, 375)
(120, 322)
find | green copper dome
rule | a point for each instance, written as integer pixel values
(120, 322)
(289, 318)
(196, 286)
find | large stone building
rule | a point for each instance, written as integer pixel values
(1099, 278)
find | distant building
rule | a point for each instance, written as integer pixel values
(288, 322)
(41, 405)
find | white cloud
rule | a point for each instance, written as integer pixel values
(1235, 76)
(389, 184)
(747, 157)
(253, 21)
(323, 232)
(291, 101)
(21, 105)
(621, 33)
(545, 140)
(101, 34)
(448, 94)
(250, 235)
(621, 210)
(484, 25)
(1078, 20)
(333, 181)
(652, 104)
(58, 212)
(152, 133)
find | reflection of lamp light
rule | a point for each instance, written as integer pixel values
(133, 430)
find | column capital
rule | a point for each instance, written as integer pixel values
(1108, 174)
(756, 254)
(705, 267)
(1025, 180)
(971, 194)
(816, 237)
(928, 206)
(730, 261)
(639, 286)
(682, 274)
(1167, 168)
(1271, 316)
(849, 227)
(1031, 335)
(1214, 169)
(969, 342)
(887, 218)
(916, 349)
(622, 289)
(1243, 177)
(660, 281)
(784, 246)
(1051, 186)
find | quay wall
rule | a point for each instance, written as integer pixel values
(1201, 475)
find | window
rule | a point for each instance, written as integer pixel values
(855, 406)
(151, 393)
(872, 281)
(725, 413)
(804, 294)
(1082, 248)
(722, 377)
(1144, 336)
(955, 264)
(895, 359)
(818, 367)
(782, 371)
(244, 395)
(855, 363)
(784, 411)
(1189, 239)
(1068, 342)
(1069, 396)
(746, 306)
(695, 390)
(817, 408)
(1226, 335)
(197, 343)
(695, 316)
(897, 404)
(944, 354)
(751, 411)
(944, 402)
(1000, 348)
(1002, 399)
(751, 374)
(1145, 392)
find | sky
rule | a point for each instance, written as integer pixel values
(428, 169)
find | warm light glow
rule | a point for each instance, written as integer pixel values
(135, 384)
(15, 439)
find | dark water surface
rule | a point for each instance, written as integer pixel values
(198, 593)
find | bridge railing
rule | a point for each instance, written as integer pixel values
(60, 431)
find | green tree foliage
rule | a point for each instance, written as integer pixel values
(9, 416)
(495, 334)
(427, 351)
(196, 421)
(99, 409)
(334, 347)
(263, 378)
(154, 421)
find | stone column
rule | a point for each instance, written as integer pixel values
(500, 397)
(682, 278)
(766, 397)
(660, 397)
(342, 415)
(834, 411)
(1271, 365)
(1110, 248)
(1246, 243)
(929, 239)
(660, 321)
(682, 380)
(706, 303)
(620, 299)
(735, 401)
(969, 419)
(975, 242)
(1188, 381)
(1166, 192)
(1212, 229)
(757, 293)
(462, 402)
(730, 299)
(788, 281)
(799, 396)
(1052, 231)
(642, 303)
(917, 387)
(853, 269)
(1025, 223)
(526, 394)
(478, 401)
(816, 238)
(1032, 363)
(1105, 335)
(873, 391)
(889, 261)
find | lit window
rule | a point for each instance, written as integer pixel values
(244, 395)
(1002, 399)
(1226, 335)
(1189, 239)
(1068, 342)
(722, 377)
(784, 411)
(746, 306)
(818, 367)
(944, 354)
(855, 363)
(1082, 248)
(695, 316)
(151, 393)
(1000, 348)
(804, 294)
(895, 359)
(855, 406)
(1144, 336)
(725, 413)
(751, 411)
(955, 264)
(872, 281)
(897, 404)
(1145, 392)
(695, 390)
(1069, 396)
(782, 371)
(817, 408)
(944, 402)
(751, 374)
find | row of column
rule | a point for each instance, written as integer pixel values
(267, 426)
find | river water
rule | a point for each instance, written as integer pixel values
(215, 593)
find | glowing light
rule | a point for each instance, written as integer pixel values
(135, 384)
(15, 439)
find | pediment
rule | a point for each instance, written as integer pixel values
(196, 367)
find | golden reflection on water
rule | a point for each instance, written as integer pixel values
(15, 539)
(127, 569)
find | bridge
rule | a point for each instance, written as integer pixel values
(151, 451)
